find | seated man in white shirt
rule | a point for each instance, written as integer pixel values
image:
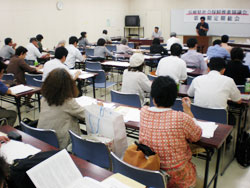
(192, 57)
(156, 33)
(58, 62)
(123, 47)
(173, 39)
(173, 65)
(33, 52)
(73, 53)
(106, 37)
(214, 89)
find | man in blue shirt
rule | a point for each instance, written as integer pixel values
(217, 51)
(192, 57)
(10, 115)
(202, 27)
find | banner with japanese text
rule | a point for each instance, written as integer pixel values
(218, 15)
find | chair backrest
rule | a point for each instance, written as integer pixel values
(93, 65)
(125, 98)
(145, 47)
(94, 152)
(241, 88)
(37, 82)
(189, 80)
(89, 51)
(131, 45)
(208, 114)
(111, 48)
(100, 78)
(8, 76)
(30, 79)
(3, 121)
(151, 77)
(147, 177)
(177, 105)
(46, 135)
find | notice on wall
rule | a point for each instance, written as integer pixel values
(218, 15)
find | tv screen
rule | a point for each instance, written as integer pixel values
(132, 21)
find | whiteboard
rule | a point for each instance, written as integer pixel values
(215, 29)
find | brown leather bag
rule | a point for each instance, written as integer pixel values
(136, 157)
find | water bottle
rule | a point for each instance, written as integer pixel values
(247, 86)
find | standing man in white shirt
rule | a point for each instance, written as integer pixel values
(58, 62)
(173, 39)
(156, 33)
(33, 52)
(73, 53)
(106, 37)
(173, 65)
(8, 50)
(214, 89)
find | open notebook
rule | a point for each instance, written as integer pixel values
(20, 89)
(59, 171)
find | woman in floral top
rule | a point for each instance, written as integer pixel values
(168, 132)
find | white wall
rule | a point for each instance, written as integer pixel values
(157, 12)
(22, 19)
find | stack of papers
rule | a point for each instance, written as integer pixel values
(83, 75)
(12, 150)
(85, 101)
(116, 63)
(245, 96)
(20, 89)
(152, 57)
(190, 70)
(129, 114)
(208, 128)
(51, 173)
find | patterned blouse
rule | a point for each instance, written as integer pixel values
(166, 132)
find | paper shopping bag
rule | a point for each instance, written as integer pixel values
(107, 123)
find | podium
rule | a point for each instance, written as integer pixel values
(203, 42)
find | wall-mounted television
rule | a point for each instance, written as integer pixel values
(132, 20)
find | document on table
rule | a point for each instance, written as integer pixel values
(3, 134)
(20, 89)
(151, 57)
(12, 150)
(85, 75)
(116, 63)
(129, 114)
(190, 70)
(120, 181)
(208, 128)
(60, 171)
(85, 101)
(245, 96)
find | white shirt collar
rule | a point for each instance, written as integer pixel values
(155, 109)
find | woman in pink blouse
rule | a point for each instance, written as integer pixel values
(168, 132)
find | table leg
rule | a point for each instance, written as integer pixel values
(238, 130)
(206, 169)
(18, 105)
(39, 102)
(217, 167)
(93, 80)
